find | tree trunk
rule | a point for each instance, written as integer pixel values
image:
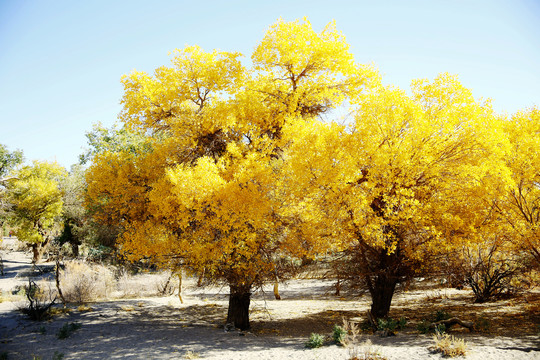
(38, 249)
(57, 278)
(75, 249)
(180, 286)
(201, 278)
(276, 289)
(382, 290)
(239, 300)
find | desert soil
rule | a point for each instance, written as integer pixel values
(165, 328)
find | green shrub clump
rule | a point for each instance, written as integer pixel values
(315, 341)
(339, 334)
(66, 330)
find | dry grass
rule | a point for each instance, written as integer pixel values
(141, 285)
(365, 351)
(82, 282)
(449, 345)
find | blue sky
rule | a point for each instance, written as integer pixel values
(61, 61)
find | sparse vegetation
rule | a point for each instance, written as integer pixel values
(68, 329)
(83, 282)
(441, 315)
(366, 351)
(315, 341)
(389, 325)
(38, 303)
(449, 345)
(339, 334)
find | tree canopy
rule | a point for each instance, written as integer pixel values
(37, 203)
(238, 172)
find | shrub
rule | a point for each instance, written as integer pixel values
(339, 334)
(449, 345)
(351, 332)
(423, 327)
(315, 341)
(39, 302)
(66, 330)
(388, 326)
(492, 269)
(82, 282)
(441, 315)
(440, 329)
(365, 352)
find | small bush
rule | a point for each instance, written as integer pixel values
(4, 356)
(423, 327)
(82, 282)
(38, 302)
(391, 325)
(449, 345)
(441, 315)
(492, 269)
(440, 329)
(315, 341)
(365, 352)
(68, 329)
(387, 327)
(58, 356)
(351, 332)
(339, 334)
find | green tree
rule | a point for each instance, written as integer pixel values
(8, 162)
(37, 204)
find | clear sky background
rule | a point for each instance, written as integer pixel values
(61, 61)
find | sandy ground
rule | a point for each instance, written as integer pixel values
(165, 328)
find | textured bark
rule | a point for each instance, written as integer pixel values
(276, 290)
(239, 300)
(39, 248)
(57, 278)
(180, 286)
(382, 291)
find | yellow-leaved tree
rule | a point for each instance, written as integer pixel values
(36, 200)
(406, 180)
(521, 207)
(208, 190)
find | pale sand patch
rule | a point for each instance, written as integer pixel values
(163, 328)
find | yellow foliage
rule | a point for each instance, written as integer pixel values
(239, 171)
(37, 200)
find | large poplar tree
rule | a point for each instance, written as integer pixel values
(407, 179)
(207, 190)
